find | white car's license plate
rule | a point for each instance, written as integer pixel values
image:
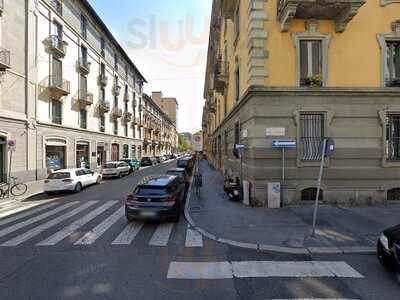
(147, 214)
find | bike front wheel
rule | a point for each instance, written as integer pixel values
(19, 189)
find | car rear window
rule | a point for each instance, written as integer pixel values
(150, 191)
(175, 173)
(110, 166)
(60, 175)
(183, 163)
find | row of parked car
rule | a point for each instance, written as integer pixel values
(76, 179)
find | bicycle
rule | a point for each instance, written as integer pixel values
(16, 189)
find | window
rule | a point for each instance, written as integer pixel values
(116, 61)
(393, 194)
(102, 69)
(102, 47)
(126, 106)
(311, 62)
(125, 153)
(56, 112)
(126, 129)
(392, 74)
(84, 55)
(237, 133)
(57, 69)
(134, 131)
(311, 193)
(83, 86)
(237, 20)
(115, 101)
(102, 123)
(83, 26)
(311, 135)
(226, 142)
(237, 84)
(102, 94)
(57, 5)
(83, 118)
(116, 127)
(393, 137)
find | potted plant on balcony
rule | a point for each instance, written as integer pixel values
(314, 80)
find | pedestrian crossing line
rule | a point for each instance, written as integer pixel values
(43, 227)
(193, 238)
(91, 236)
(26, 214)
(10, 212)
(260, 269)
(318, 299)
(73, 227)
(23, 224)
(161, 235)
(129, 233)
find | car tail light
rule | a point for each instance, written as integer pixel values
(69, 180)
(169, 199)
(130, 199)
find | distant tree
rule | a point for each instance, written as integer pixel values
(182, 143)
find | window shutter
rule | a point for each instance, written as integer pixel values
(316, 58)
(303, 61)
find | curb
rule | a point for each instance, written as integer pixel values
(271, 248)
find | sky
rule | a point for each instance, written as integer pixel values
(168, 41)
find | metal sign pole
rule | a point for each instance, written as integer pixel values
(9, 174)
(283, 175)
(321, 170)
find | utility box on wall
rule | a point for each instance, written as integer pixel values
(274, 195)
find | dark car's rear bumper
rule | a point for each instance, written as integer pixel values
(388, 257)
(161, 213)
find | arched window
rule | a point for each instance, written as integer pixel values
(310, 194)
(393, 194)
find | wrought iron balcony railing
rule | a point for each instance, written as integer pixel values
(103, 106)
(59, 86)
(84, 97)
(56, 45)
(102, 80)
(4, 59)
(83, 65)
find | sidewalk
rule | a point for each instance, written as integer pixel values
(339, 230)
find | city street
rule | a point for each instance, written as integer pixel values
(79, 246)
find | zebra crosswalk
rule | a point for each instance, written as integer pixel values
(87, 223)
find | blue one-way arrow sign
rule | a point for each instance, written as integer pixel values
(288, 144)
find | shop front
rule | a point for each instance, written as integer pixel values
(3, 157)
(55, 154)
(82, 154)
(101, 154)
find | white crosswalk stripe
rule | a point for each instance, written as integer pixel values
(91, 236)
(27, 214)
(193, 238)
(129, 233)
(41, 228)
(70, 229)
(18, 226)
(161, 235)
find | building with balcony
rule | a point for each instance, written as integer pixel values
(305, 71)
(159, 129)
(62, 73)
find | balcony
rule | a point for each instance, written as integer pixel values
(84, 98)
(56, 45)
(4, 59)
(116, 113)
(221, 76)
(228, 8)
(102, 80)
(341, 11)
(103, 107)
(127, 117)
(58, 86)
(212, 107)
(116, 89)
(83, 66)
(56, 4)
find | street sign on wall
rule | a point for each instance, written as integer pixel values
(287, 144)
(275, 131)
(12, 145)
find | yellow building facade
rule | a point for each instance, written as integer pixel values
(276, 64)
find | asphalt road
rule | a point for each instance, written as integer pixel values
(80, 247)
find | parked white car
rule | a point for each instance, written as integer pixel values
(116, 169)
(70, 180)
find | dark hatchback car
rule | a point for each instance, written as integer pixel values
(181, 173)
(158, 198)
(388, 248)
(133, 163)
(146, 161)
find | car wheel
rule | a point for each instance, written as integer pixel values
(129, 219)
(98, 180)
(78, 187)
(120, 175)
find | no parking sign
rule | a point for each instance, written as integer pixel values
(12, 145)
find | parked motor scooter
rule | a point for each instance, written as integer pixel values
(233, 189)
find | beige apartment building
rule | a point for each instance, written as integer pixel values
(159, 130)
(305, 71)
(69, 93)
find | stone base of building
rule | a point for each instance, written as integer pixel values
(357, 173)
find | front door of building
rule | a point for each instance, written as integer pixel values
(3, 156)
(101, 156)
(115, 152)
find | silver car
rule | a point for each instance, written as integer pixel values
(115, 169)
